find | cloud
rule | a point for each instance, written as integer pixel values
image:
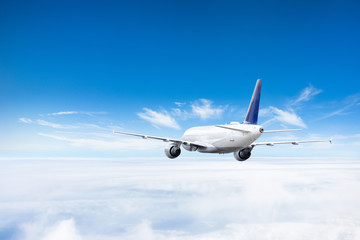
(159, 118)
(203, 108)
(118, 143)
(290, 117)
(265, 112)
(348, 103)
(182, 199)
(54, 125)
(63, 230)
(25, 120)
(42, 230)
(180, 104)
(285, 117)
(64, 113)
(75, 112)
(306, 94)
(179, 113)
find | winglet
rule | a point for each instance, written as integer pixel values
(252, 113)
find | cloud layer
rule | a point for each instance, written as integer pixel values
(183, 199)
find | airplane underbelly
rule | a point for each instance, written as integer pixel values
(227, 145)
(219, 140)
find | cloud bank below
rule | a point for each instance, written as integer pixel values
(187, 199)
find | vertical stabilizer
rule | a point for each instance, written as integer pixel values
(252, 113)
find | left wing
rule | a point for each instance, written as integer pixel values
(177, 141)
(289, 142)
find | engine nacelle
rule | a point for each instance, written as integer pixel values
(243, 154)
(190, 147)
(172, 151)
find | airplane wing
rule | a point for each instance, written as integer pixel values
(289, 142)
(232, 128)
(178, 141)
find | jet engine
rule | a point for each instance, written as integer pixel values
(243, 154)
(172, 151)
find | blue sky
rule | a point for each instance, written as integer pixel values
(72, 71)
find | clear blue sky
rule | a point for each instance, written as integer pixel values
(71, 71)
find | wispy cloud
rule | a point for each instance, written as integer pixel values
(88, 123)
(54, 125)
(289, 116)
(286, 117)
(203, 108)
(306, 94)
(25, 120)
(180, 104)
(75, 112)
(346, 105)
(180, 113)
(64, 113)
(158, 119)
(263, 112)
(118, 143)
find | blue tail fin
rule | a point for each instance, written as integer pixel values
(252, 114)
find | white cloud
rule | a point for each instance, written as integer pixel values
(203, 108)
(94, 126)
(289, 117)
(180, 104)
(159, 118)
(181, 199)
(264, 112)
(64, 113)
(42, 229)
(75, 112)
(285, 117)
(63, 230)
(25, 120)
(54, 125)
(182, 114)
(306, 94)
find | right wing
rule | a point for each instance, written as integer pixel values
(290, 142)
(177, 141)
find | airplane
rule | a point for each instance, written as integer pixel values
(235, 138)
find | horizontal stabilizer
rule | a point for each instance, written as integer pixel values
(285, 130)
(232, 128)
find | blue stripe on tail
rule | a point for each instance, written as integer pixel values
(252, 114)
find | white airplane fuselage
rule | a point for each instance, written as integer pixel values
(222, 139)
